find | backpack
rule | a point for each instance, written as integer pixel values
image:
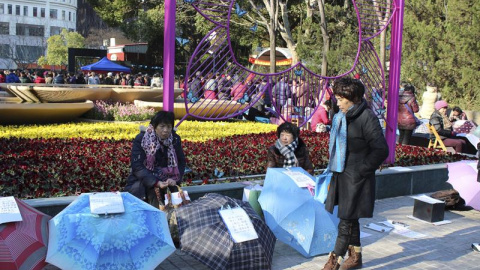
(451, 197)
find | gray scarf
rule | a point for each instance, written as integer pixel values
(288, 152)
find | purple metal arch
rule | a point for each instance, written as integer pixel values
(206, 53)
(214, 54)
(169, 56)
(394, 79)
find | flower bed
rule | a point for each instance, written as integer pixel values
(37, 167)
(116, 111)
(189, 130)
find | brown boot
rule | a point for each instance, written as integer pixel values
(333, 262)
(354, 260)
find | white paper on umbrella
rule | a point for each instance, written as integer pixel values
(300, 179)
(238, 224)
(9, 211)
(106, 203)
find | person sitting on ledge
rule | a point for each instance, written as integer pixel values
(289, 150)
(157, 160)
(443, 126)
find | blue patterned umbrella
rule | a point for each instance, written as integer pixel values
(136, 239)
(295, 217)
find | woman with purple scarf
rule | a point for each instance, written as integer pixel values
(157, 160)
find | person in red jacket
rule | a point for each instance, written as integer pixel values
(406, 119)
(238, 90)
(320, 117)
(39, 78)
(2, 76)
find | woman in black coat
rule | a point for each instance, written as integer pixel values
(157, 160)
(357, 149)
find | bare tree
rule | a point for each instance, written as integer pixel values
(325, 36)
(383, 15)
(276, 19)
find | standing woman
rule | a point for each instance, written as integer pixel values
(157, 160)
(406, 118)
(357, 148)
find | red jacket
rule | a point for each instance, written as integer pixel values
(238, 90)
(39, 79)
(406, 119)
(320, 116)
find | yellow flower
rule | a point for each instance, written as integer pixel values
(189, 130)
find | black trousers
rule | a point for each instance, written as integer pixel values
(404, 137)
(348, 234)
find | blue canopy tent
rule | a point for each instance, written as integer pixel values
(105, 65)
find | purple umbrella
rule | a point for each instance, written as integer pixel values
(462, 176)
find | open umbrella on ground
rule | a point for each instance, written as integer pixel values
(462, 176)
(136, 239)
(295, 217)
(23, 244)
(204, 236)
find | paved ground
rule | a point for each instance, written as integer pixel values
(444, 247)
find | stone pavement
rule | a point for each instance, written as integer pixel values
(444, 247)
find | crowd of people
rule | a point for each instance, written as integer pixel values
(357, 148)
(434, 110)
(288, 94)
(92, 77)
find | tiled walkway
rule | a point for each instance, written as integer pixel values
(444, 247)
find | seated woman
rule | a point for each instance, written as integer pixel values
(443, 126)
(457, 114)
(289, 150)
(157, 160)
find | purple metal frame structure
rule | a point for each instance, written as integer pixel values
(217, 87)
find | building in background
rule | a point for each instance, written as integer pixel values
(127, 54)
(26, 25)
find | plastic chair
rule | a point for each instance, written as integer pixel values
(435, 142)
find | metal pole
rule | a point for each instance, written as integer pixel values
(169, 56)
(394, 78)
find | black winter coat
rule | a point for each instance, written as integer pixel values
(353, 190)
(436, 120)
(141, 179)
(275, 158)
